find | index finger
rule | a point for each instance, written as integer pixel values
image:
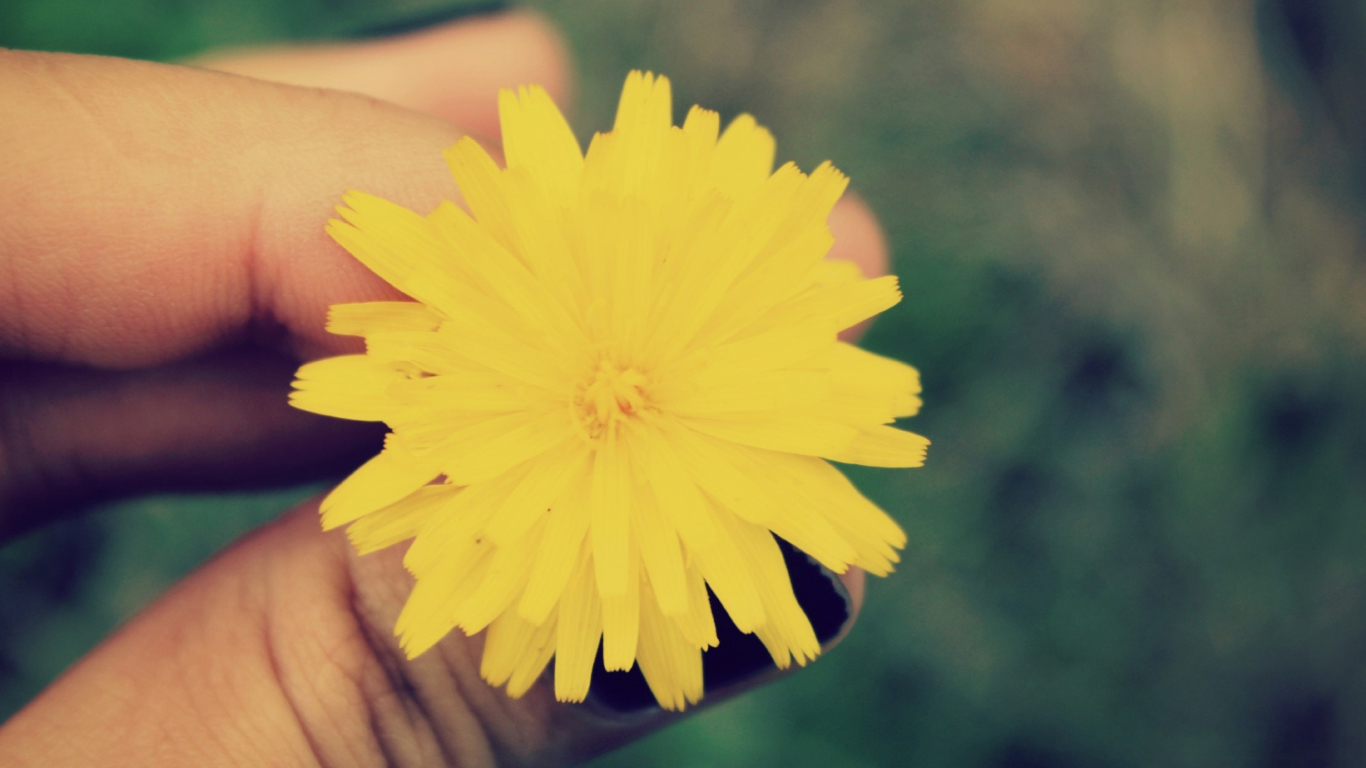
(155, 211)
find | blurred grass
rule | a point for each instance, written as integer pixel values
(1130, 241)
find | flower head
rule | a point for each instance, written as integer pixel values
(619, 380)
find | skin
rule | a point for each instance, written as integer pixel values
(164, 271)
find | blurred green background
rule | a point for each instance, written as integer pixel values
(1130, 238)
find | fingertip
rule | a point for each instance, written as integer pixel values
(855, 582)
(480, 57)
(858, 236)
(858, 239)
(452, 71)
(549, 61)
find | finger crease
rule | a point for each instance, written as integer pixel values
(278, 672)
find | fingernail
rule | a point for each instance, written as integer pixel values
(363, 19)
(620, 693)
(820, 592)
(738, 657)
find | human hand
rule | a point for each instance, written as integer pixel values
(166, 272)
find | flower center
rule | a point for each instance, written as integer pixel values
(613, 396)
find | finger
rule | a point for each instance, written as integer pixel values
(72, 436)
(167, 209)
(452, 71)
(858, 236)
(159, 212)
(858, 239)
(280, 652)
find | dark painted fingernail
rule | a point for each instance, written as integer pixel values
(820, 592)
(738, 657)
(620, 692)
(364, 19)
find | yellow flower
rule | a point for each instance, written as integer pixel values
(619, 381)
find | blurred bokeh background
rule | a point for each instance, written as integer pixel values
(1131, 240)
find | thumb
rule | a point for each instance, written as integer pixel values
(280, 652)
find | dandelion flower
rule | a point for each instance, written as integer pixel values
(620, 379)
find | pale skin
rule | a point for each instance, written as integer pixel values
(163, 268)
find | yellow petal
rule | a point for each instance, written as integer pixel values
(503, 583)
(476, 451)
(882, 446)
(744, 157)
(536, 136)
(534, 659)
(580, 628)
(379, 482)
(825, 491)
(671, 664)
(561, 549)
(660, 552)
(727, 572)
(369, 317)
(698, 624)
(632, 278)
(515, 356)
(489, 266)
(472, 391)
(788, 430)
(645, 104)
(762, 391)
(644, 117)
(401, 520)
(456, 529)
(836, 272)
(743, 235)
(787, 633)
(841, 306)
(433, 607)
(542, 231)
(874, 377)
(505, 643)
(347, 387)
(701, 128)
(410, 252)
(399, 246)
(611, 528)
(666, 198)
(683, 504)
(517, 651)
(532, 498)
(778, 279)
(482, 185)
(754, 489)
(422, 351)
(621, 621)
(682, 277)
(775, 348)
